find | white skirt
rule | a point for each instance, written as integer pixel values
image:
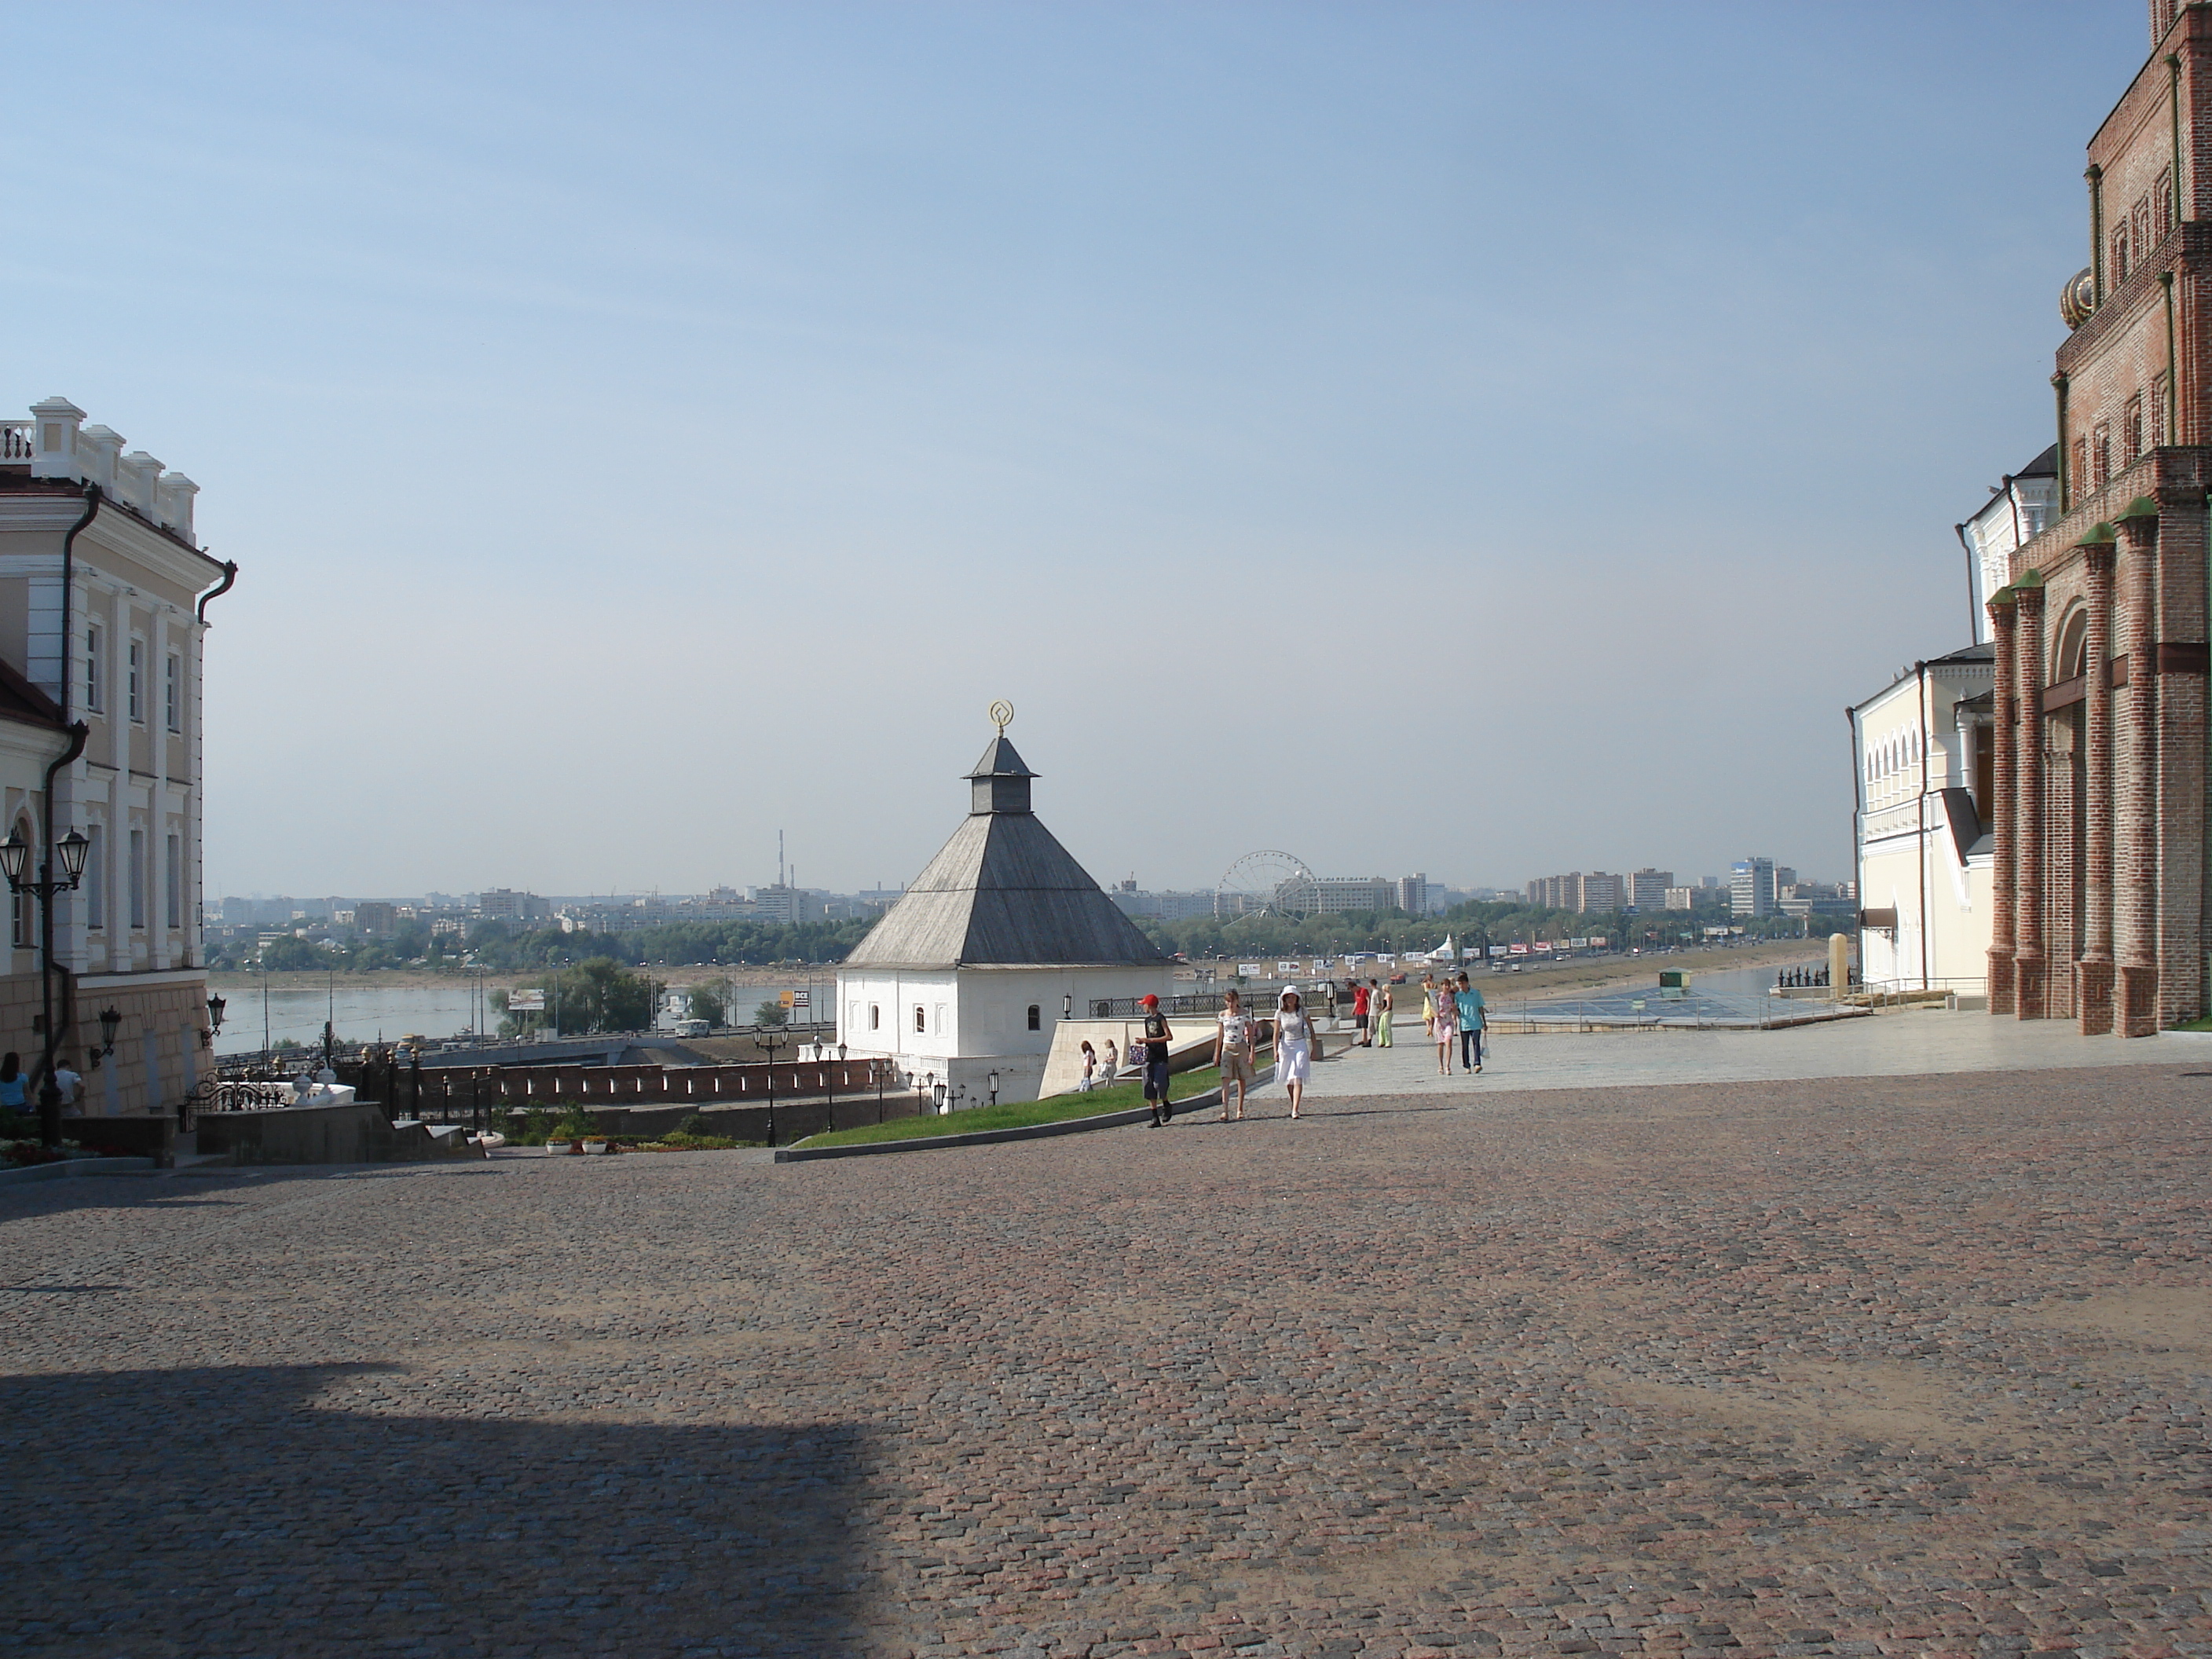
(1294, 1063)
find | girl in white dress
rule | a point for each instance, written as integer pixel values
(1294, 1047)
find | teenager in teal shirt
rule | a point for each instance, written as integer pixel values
(1468, 1000)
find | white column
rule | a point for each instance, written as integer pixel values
(153, 695)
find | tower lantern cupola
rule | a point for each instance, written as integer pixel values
(1001, 780)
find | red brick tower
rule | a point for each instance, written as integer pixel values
(2101, 896)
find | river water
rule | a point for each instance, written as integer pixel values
(365, 1012)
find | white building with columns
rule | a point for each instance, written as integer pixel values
(103, 595)
(1000, 937)
(1925, 783)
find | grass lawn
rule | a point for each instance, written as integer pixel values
(1019, 1115)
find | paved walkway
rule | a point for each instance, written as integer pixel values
(1907, 1365)
(1898, 1043)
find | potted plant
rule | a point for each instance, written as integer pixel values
(575, 1128)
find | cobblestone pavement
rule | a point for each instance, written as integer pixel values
(1907, 1366)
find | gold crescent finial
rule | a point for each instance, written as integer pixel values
(1001, 713)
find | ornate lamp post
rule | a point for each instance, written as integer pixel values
(15, 862)
(768, 1039)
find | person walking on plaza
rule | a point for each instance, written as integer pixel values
(1468, 1001)
(1157, 1035)
(1359, 1011)
(1294, 1047)
(1090, 1068)
(1443, 1026)
(1383, 1003)
(1233, 1051)
(1429, 1004)
(1111, 1068)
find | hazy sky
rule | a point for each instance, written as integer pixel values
(1486, 439)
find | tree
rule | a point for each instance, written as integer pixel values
(597, 995)
(703, 1003)
(771, 1013)
(289, 956)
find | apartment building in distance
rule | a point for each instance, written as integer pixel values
(104, 593)
(505, 904)
(1752, 888)
(1593, 893)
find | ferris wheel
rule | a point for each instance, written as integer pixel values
(1266, 884)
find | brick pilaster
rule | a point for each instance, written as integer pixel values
(2180, 737)
(2134, 784)
(2002, 624)
(2092, 974)
(2028, 960)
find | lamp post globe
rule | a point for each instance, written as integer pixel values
(75, 847)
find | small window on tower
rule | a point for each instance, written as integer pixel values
(920, 1022)
(2080, 477)
(1036, 1018)
(2162, 202)
(2140, 219)
(2120, 254)
(2131, 431)
(2101, 455)
(875, 1016)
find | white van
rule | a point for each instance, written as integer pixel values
(691, 1028)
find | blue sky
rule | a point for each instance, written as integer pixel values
(1481, 439)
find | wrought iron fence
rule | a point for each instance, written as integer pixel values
(1201, 1002)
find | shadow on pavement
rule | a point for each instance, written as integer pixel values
(221, 1511)
(201, 1188)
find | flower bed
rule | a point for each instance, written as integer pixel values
(23, 1154)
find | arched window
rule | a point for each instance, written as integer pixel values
(875, 1016)
(919, 1023)
(2073, 646)
(1037, 1019)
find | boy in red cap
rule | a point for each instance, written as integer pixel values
(1157, 1035)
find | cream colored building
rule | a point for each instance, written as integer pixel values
(103, 594)
(1923, 758)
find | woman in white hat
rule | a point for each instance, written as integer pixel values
(1294, 1047)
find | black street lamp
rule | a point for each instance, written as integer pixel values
(769, 1038)
(15, 863)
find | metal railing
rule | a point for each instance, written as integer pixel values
(1200, 1002)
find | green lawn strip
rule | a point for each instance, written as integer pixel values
(1021, 1114)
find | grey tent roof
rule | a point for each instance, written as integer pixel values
(1002, 892)
(1000, 761)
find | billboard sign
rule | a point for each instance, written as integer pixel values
(526, 1002)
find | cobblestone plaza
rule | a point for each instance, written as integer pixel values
(1898, 1364)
